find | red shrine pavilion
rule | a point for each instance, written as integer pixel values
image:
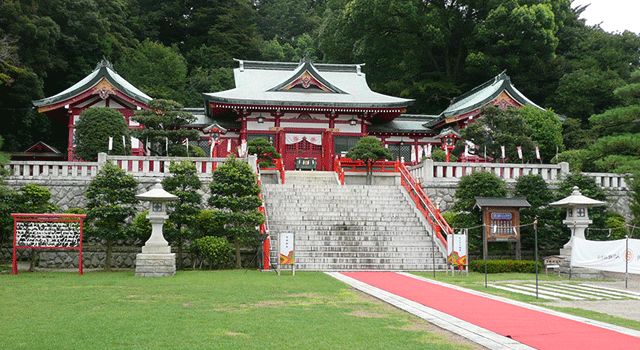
(305, 109)
(101, 88)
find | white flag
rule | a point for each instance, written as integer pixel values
(466, 150)
(413, 153)
(537, 153)
(519, 152)
(166, 144)
(110, 143)
(124, 144)
(429, 150)
(502, 149)
(228, 145)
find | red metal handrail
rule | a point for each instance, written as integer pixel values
(357, 165)
(337, 167)
(425, 205)
(264, 229)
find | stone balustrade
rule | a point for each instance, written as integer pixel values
(430, 172)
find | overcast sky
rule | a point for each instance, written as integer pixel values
(613, 15)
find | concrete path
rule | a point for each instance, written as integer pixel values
(465, 329)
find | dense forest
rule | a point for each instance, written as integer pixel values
(428, 50)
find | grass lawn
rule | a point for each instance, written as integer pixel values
(476, 281)
(201, 310)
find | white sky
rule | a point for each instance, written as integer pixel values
(613, 15)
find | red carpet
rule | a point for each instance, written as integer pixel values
(534, 328)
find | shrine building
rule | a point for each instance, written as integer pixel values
(305, 109)
(101, 88)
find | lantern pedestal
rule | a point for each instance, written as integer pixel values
(155, 265)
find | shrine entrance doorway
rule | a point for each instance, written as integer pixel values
(305, 148)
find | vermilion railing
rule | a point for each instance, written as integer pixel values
(425, 205)
(337, 167)
(359, 166)
(264, 227)
(279, 167)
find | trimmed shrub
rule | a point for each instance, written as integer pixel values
(505, 266)
(216, 250)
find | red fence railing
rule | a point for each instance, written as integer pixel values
(425, 205)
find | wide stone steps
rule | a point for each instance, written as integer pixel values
(349, 227)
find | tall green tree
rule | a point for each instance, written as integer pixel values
(158, 70)
(111, 197)
(93, 130)
(162, 124)
(185, 184)
(550, 227)
(496, 128)
(369, 150)
(234, 192)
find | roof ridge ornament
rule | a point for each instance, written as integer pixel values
(104, 63)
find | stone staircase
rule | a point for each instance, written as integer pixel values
(341, 228)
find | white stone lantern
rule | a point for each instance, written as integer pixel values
(577, 219)
(156, 258)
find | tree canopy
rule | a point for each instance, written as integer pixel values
(95, 127)
(234, 192)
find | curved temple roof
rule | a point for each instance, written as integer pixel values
(104, 70)
(482, 95)
(304, 84)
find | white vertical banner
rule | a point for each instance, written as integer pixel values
(428, 150)
(228, 145)
(124, 144)
(166, 145)
(413, 153)
(519, 152)
(286, 250)
(502, 151)
(537, 152)
(466, 150)
(457, 249)
(110, 143)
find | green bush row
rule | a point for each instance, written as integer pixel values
(505, 266)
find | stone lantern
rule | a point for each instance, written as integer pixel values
(156, 259)
(577, 219)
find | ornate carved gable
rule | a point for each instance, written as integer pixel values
(306, 78)
(504, 101)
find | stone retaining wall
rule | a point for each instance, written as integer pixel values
(94, 257)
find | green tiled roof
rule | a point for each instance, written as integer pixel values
(104, 69)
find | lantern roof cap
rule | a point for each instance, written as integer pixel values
(577, 199)
(157, 194)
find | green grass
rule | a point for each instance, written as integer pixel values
(200, 310)
(476, 281)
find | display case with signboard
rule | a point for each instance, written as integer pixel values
(501, 218)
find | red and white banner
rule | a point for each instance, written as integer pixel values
(502, 150)
(287, 248)
(311, 138)
(457, 249)
(614, 256)
(537, 152)
(428, 150)
(519, 152)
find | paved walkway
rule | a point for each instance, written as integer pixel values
(466, 317)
